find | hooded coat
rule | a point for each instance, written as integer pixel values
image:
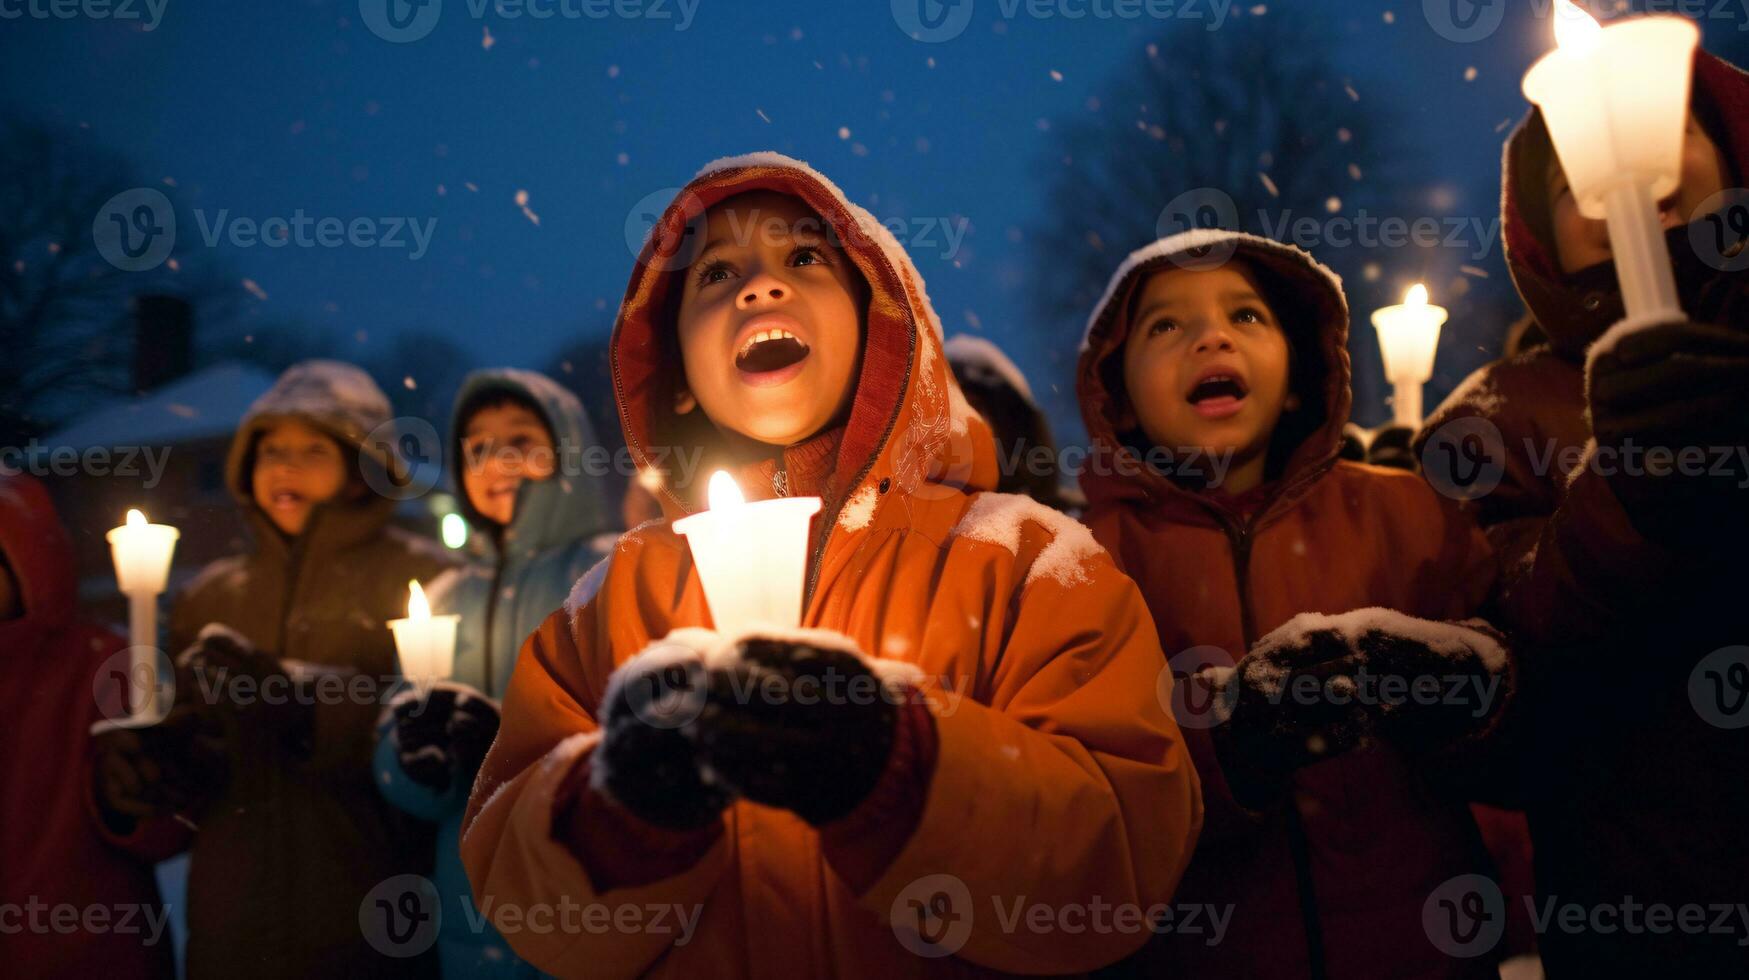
(1058, 778)
(1332, 882)
(1632, 794)
(518, 577)
(287, 852)
(54, 683)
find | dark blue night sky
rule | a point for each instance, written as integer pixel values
(265, 108)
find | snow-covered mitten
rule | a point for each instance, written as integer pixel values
(272, 708)
(442, 734)
(645, 762)
(802, 722)
(1432, 684)
(1277, 715)
(1668, 388)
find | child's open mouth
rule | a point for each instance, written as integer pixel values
(1218, 395)
(770, 357)
(285, 500)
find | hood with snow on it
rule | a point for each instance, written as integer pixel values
(338, 399)
(1306, 297)
(569, 506)
(909, 426)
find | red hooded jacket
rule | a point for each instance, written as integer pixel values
(73, 903)
(1334, 883)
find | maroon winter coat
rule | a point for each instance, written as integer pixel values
(1332, 882)
(57, 862)
(1631, 793)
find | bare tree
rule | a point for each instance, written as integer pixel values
(63, 306)
(1256, 111)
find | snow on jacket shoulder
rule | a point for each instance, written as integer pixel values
(1060, 781)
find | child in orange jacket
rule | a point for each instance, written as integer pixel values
(789, 804)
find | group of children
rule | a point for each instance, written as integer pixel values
(1010, 723)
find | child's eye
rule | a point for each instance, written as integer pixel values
(1161, 326)
(713, 273)
(807, 255)
(1249, 314)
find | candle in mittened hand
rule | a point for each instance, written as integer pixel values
(425, 643)
(142, 552)
(1615, 100)
(751, 557)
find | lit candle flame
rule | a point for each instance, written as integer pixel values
(1574, 28)
(136, 519)
(723, 492)
(417, 607)
(1416, 296)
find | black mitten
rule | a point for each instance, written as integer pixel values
(804, 725)
(1670, 388)
(224, 676)
(442, 734)
(644, 762)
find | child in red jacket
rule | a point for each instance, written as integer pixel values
(1214, 382)
(73, 901)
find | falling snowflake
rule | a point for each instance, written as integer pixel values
(1269, 185)
(486, 39)
(254, 289)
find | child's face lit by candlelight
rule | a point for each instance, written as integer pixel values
(1206, 367)
(296, 468)
(770, 321)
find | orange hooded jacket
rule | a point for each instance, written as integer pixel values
(1059, 777)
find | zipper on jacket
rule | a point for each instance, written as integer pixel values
(293, 570)
(491, 618)
(1239, 535)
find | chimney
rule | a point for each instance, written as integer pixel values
(163, 340)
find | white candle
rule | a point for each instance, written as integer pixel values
(1615, 100)
(1408, 339)
(426, 643)
(142, 552)
(751, 557)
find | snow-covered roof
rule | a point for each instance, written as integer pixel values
(203, 405)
